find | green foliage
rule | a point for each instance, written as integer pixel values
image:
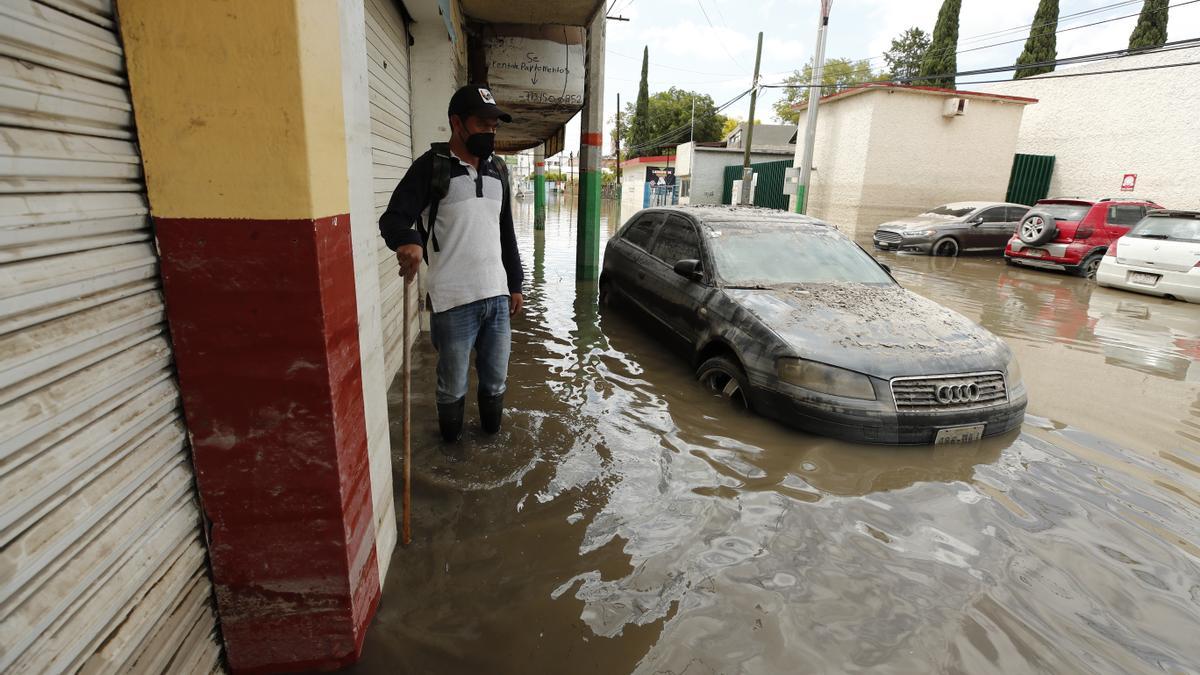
(1041, 45)
(838, 74)
(732, 123)
(1151, 28)
(940, 58)
(556, 176)
(639, 119)
(669, 114)
(904, 58)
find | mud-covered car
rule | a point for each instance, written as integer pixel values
(950, 229)
(785, 315)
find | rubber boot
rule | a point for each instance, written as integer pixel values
(450, 419)
(491, 410)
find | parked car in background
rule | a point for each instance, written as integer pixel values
(787, 316)
(1073, 234)
(954, 228)
(1160, 256)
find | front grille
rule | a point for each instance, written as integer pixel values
(949, 392)
(889, 237)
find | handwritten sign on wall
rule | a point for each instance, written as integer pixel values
(535, 71)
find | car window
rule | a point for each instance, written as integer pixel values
(1016, 213)
(1171, 228)
(791, 256)
(996, 214)
(1125, 215)
(640, 232)
(1071, 212)
(676, 241)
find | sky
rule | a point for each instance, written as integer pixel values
(717, 58)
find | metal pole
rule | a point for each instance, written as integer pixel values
(591, 147)
(814, 100)
(539, 187)
(618, 140)
(692, 131)
(747, 172)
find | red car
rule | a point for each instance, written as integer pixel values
(1073, 234)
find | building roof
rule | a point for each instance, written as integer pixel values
(931, 91)
(788, 150)
(767, 134)
(657, 159)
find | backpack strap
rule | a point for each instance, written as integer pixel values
(439, 187)
(502, 168)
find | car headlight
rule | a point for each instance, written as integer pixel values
(1013, 370)
(918, 233)
(825, 379)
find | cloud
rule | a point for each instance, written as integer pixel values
(700, 43)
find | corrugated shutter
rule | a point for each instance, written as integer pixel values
(102, 558)
(1029, 180)
(392, 154)
(768, 186)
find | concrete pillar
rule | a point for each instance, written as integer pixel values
(244, 135)
(591, 147)
(539, 187)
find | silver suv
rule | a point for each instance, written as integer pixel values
(953, 228)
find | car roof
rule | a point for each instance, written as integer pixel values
(1174, 213)
(975, 205)
(742, 216)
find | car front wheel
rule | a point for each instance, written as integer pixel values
(723, 375)
(946, 246)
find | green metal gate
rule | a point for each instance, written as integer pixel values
(769, 190)
(1030, 178)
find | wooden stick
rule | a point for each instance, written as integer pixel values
(406, 499)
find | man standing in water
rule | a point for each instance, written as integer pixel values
(452, 208)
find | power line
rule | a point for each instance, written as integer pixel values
(668, 135)
(1191, 43)
(720, 42)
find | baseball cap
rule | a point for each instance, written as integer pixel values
(476, 99)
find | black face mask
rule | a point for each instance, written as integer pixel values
(481, 145)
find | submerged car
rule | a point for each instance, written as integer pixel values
(954, 228)
(1072, 235)
(785, 315)
(1160, 256)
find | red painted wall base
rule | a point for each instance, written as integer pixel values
(265, 326)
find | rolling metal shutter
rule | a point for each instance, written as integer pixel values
(391, 153)
(102, 559)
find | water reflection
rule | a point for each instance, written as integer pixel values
(627, 521)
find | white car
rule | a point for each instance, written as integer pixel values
(1160, 256)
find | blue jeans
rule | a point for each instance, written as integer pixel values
(482, 325)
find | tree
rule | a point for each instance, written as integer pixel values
(904, 58)
(1041, 45)
(838, 74)
(732, 123)
(669, 122)
(940, 58)
(1151, 28)
(639, 120)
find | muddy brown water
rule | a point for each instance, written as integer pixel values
(626, 521)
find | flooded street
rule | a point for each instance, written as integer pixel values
(627, 520)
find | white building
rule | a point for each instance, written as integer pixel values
(700, 168)
(1101, 127)
(884, 151)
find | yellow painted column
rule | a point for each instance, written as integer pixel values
(240, 120)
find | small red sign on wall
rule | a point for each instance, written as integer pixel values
(1128, 182)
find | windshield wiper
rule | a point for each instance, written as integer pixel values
(1154, 236)
(752, 287)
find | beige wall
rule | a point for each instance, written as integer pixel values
(438, 67)
(1101, 127)
(889, 153)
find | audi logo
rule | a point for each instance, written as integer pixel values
(958, 393)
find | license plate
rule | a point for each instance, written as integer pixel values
(1034, 252)
(959, 434)
(1144, 278)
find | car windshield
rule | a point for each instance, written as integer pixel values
(950, 211)
(1071, 212)
(753, 258)
(1168, 227)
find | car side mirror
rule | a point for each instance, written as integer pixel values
(977, 220)
(689, 269)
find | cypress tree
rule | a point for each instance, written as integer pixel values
(940, 57)
(1151, 28)
(641, 113)
(1041, 45)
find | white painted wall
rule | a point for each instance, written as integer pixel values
(365, 237)
(888, 153)
(438, 67)
(1101, 127)
(632, 194)
(707, 168)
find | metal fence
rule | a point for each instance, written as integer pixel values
(768, 189)
(1030, 178)
(664, 195)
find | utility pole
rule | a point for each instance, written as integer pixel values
(814, 100)
(747, 172)
(591, 147)
(539, 187)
